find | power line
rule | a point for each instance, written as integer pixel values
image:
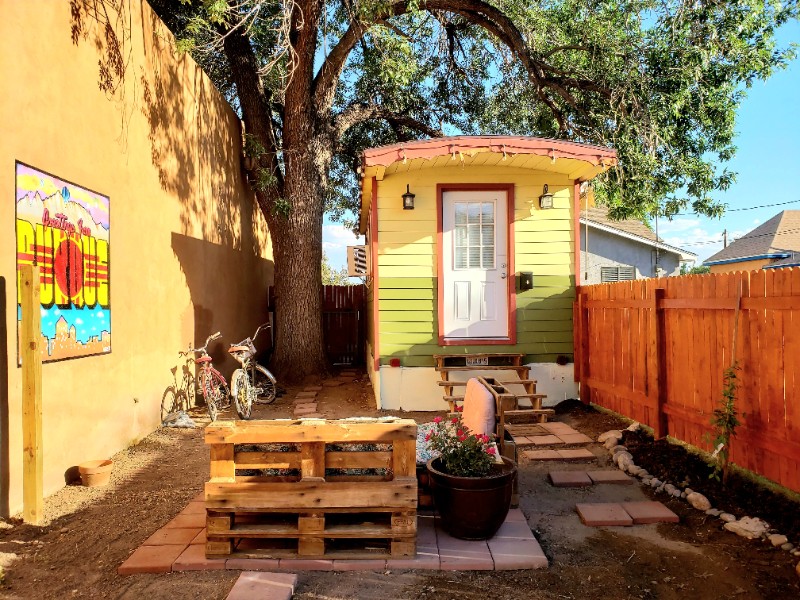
(744, 237)
(685, 214)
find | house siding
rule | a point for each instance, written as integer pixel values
(609, 250)
(407, 264)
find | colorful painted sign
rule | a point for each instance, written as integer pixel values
(63, 229)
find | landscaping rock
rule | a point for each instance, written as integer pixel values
(614, 433)
(635, 426)
(748, 527)
(777, 539)
(788, 546)
(655, 482)
(669, 488)
(617, 449)
(611, 442)
(714, 512)
(797, 568)
(727, 517)
(698, 501)
(620, 456)
(646, 480)
(677, 493)
(688, 490)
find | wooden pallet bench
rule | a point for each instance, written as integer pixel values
(312, 489)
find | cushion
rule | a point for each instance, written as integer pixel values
(479, 408)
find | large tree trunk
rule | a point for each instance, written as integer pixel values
(293, 205)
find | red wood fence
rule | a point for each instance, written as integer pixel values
(655, 350)
(343, 322)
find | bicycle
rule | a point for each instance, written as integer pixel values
(252, 383)
(179, 397)
(212, 384)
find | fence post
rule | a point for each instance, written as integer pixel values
(662, 383)
(32, 495)
(586, 392)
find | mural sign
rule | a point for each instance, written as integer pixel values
(63, 229)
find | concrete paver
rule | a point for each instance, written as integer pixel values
(544, 440)
(574, 438)
(517, 554)
(616, 477)
(541, 455)
(649, 511)
(263, 586)
(603, 514)
(569, 479)
(578, 454)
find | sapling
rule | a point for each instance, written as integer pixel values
(725, 420)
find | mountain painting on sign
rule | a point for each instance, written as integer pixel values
(63, 229)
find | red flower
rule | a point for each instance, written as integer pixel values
(437, 419)
(454, 420)
(491, 450)
(428, 436)
(460, 433)
(459, 409)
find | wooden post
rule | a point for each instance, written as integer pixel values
(585, 390)
(32, 495)
(662, 383)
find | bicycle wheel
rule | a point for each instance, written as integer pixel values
(264, 387)
(169, 403)
(215, 391)
(242, 394)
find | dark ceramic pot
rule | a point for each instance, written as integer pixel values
(473, 508)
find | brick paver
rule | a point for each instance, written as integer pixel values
(306, 394)
(253, 564)
(151, 559)
(603, 514)
(569, 479)
(196, 521)
(194, 559)
(305, 410)
(263, 586)
(617, 477)
(170, 536)
(306, 564)
(649, 511)
(558, 428)
(195, 508)
(373, 564)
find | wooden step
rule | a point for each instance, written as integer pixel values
(486, 368)
(529, 412)
(511, 382)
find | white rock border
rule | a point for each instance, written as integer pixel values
(747, 527)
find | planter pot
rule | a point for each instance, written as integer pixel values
(473, 508)
(95, 472)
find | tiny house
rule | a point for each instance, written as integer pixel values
(471, 248)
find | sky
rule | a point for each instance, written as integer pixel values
(767, 163)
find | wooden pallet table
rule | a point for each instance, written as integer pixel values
(312, 489)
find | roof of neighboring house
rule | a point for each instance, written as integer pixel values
(632, 229)
(777, 238)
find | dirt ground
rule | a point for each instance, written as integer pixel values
(90, 532)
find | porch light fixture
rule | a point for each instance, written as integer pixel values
(546, 199)
(408, 200)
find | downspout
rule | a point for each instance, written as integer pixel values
(576, 194)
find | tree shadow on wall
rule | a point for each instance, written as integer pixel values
(194, 135)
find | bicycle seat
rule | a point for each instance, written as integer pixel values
(233, 349)
(203, 359)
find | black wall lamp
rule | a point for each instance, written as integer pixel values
(408, 200)
(546, 199)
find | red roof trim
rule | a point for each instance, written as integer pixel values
(510, 145)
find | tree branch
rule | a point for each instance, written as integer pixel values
(358, 113)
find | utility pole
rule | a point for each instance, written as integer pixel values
(724, 238)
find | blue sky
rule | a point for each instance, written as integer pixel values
(767, 163)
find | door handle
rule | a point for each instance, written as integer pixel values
(502, 275)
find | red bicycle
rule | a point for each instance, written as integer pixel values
(212, 384)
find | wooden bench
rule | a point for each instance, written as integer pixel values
(299, 497)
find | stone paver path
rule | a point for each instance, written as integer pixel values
(263, 586)
(601, 514)
(513, 547)
(585, 479)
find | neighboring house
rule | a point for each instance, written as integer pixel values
(620, 250)
(450, 276)
(771, 245)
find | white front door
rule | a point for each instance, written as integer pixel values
(474, 260)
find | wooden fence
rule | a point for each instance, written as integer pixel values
(655, 350)
(343, 322)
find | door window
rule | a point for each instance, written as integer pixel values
(474, 235)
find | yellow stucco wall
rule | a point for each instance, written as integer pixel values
(190, 253)
(407, 263)
(748, 265)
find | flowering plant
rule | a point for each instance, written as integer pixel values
(461, 453)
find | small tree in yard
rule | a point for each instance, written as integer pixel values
(725, 420)
(317, 81)
(331, 276)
